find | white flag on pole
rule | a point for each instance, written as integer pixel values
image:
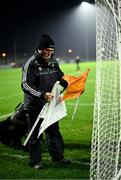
(53, 111)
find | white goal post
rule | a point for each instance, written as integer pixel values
(106, 137)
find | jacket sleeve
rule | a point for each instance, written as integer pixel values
(60, 74)
(29, 80)
(63, 82)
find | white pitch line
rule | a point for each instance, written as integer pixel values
(6, 115)
(69, 104)
(81, 104)
(15, 155)
(6, 97)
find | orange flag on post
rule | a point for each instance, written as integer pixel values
(75, 85)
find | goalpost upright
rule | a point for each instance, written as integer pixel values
(106, 138)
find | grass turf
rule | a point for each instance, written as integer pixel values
(76, 133)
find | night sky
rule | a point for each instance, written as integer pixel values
(23, 22)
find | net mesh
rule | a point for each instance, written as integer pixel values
(105, 151)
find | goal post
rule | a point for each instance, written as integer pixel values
(106, 137)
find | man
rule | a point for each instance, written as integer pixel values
(39, 75)
(77, 61)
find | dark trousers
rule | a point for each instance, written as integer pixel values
(54, 140)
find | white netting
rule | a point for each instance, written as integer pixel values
(105, 152)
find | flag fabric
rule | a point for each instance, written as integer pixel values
(76, 85)
(53, 111)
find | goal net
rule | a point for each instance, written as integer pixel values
(106, 138)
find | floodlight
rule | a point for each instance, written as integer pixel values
(89, 1)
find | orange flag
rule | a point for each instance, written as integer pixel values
(75, 85)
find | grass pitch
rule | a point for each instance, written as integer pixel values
(76, 133)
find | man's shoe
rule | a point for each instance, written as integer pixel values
(38, 166)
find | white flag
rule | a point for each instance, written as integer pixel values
(53, 111)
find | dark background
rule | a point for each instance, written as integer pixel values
(23, 22)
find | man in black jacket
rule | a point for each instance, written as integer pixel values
(39, 75)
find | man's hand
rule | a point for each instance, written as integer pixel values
(48, 96)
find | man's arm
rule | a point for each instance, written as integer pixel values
(63, 82)
(29, 80)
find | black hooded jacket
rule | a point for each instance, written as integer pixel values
(38, 77)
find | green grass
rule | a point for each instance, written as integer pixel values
(76, 133)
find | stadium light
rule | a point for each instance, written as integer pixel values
(84, 18)
(89, 1)
(69, 50)
(3, 54)
(86, 7)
